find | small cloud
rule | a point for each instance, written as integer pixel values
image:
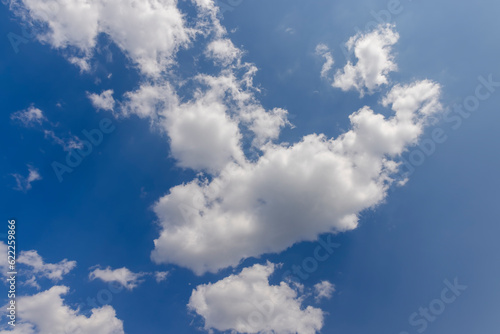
(24, 183)
(375, 61)
(67, 144)
(323, 51)
(223, 51)
(33, 283)
(123, 276)
(53, 271)
(323, 289)
(29, 117)
(103, 101)
(160, 276)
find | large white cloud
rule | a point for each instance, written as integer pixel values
(292, 193)
(149, 32)
(46, 313)
(374, 60)
(247, 303)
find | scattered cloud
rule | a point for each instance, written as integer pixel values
(374, 60)
(323, 51)
(33, 283)
(29, 117)
(53, 271)
(123, 276)
(247, 303)
(223, 51)
(73, 142)
(161, 276)
(103, 101)
(324, 290)
(46, 313)
(23, 183)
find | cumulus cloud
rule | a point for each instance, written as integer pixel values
(374, 60)
(247, 303)
(204, 131)
(23, 183)
(324, 290)
(53, 271)
(292, 193)
(29, 117)
(123, 276)
(103, 101)
(46, 313)
(149, 32)
(323, 51)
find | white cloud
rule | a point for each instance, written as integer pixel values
(29, 117)
(204, 131)
(149, 32)
(103, 101)
(374, 60)
(161, 276)
(53, 271)
(67, 144)
(292, 193)
(322, 50)
(123, 276)
(47, 313)
(223, 51)
(24, 183)
(202, 136)
(323, 289)
(247, 303)
(33, 283)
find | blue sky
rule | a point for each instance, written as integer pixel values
(220, 165)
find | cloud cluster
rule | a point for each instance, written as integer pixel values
(292, 193)
(205, 131)
(46, 313)
(252, 195)
(247, 303)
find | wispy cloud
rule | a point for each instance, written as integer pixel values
(23, 183)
